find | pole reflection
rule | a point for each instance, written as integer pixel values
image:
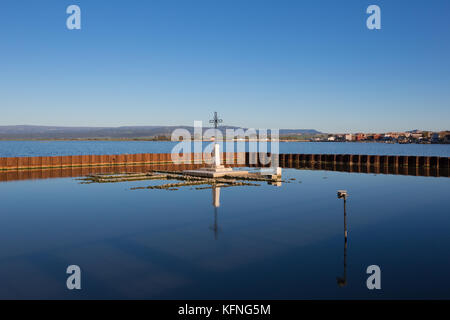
(342, 281)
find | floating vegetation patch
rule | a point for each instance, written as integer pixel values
(183, 180)
(110, 178)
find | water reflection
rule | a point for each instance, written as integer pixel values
(13, 175)
(342, 281)
(126, 252)
(216, 205)
(275, 183)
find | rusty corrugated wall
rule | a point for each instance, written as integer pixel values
(379, 163)
(23, 163)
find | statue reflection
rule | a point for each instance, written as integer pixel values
(342, 281)
(216, 205)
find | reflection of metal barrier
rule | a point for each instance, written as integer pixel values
(402, 165)
(375, 160)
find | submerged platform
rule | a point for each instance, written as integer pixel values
(214, 172)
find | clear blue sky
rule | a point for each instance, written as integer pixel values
(263, 64)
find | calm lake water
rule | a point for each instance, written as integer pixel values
(60, 148)
(272, 242)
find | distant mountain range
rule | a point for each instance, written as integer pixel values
(128, 132)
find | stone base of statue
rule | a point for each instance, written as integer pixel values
(216, 170)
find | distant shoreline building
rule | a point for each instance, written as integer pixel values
(416, 136)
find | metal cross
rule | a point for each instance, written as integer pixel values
(216, 120)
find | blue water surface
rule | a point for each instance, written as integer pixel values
(283, 242)
(61, 148)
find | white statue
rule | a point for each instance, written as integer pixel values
(216, 155)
